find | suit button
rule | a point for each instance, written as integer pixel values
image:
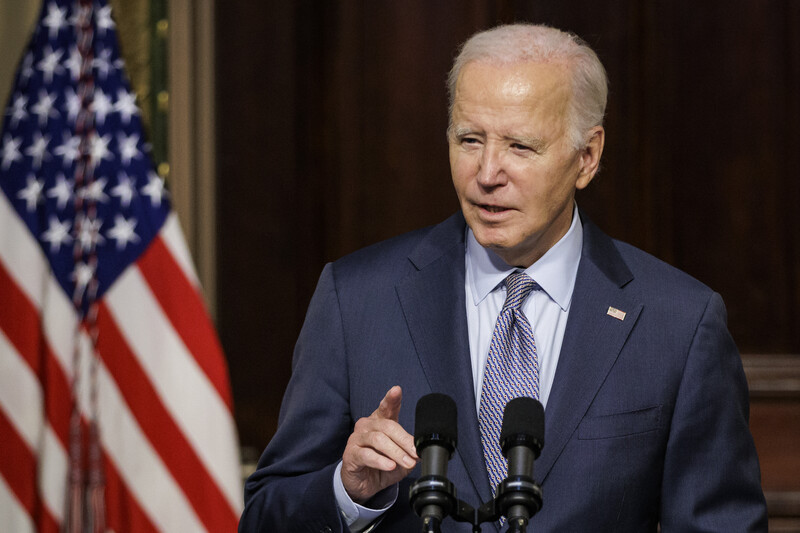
(325, 529)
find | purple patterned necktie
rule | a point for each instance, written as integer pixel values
(512, 371)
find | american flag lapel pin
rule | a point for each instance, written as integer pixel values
(616, 313)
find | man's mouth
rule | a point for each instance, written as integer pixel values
(493, 208)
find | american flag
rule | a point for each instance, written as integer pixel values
(115, 406)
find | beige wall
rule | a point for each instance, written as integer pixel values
(17, 18)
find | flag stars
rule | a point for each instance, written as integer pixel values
(89, 233)
(55, 20)
(128, 147)
(17, 111)
(104, 20)
(32, 193)
(101, 105)
(82, 275)
(38, 149)
(94, 191)
(126, 105)
(99, 148)
(69, 151)
(72, 104)
(50, 63)
(10, 151)
(26, 71)
(44, 108)
(124, 190)
(57, 233)
(123, 231)
(74, 62)
(61, 191)
(103, 63)
(154, 189)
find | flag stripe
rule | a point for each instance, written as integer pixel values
(185, 309)
(139, 464)
(177, 453)
(173, 239)
(123, 512)
(15, 517)
(18, 468)
(194, 405)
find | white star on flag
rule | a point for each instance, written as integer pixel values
(124, 190)
(44, 107)
(126, 105)
(101, 105)
(123, 232)
(11, 151)
(32, 193)
(73, 64)
(61, 191)
(94, 191)
(38, 149)
(17, 110)
(154, 189)
(82, 275)
(57, 234)
(89, 233)
(128, 147)
(69, 150)
(49, 65)
(100, 149)
(103, 63)
(72, 103)
(55, 20)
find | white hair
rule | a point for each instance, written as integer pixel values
(516, 43)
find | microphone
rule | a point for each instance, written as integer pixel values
(521, 439)
(435, 435)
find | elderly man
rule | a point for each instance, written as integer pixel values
(645, 400)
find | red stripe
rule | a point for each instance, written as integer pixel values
(18, 467)
(186, 310)
(19, 318)
(161, 430)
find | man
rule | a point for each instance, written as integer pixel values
(645, 399)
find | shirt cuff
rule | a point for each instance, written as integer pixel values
(358, 517)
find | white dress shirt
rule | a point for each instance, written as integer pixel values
(547, 311)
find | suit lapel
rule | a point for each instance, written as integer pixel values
(592, 341)
(433, 301)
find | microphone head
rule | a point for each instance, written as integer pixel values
(436, 422)
(523, 425)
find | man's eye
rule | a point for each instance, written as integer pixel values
(521, 147)
(469, 140)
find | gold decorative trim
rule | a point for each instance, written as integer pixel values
(773, 375)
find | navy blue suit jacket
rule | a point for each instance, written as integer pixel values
(646, 423)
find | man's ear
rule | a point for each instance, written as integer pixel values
(590, 156)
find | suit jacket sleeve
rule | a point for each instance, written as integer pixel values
(711, 476)
(292, 489)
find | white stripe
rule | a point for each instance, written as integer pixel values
(172, 235)
(52, 474)
(191, 399)
(139, 465)
(14, 516)
(20, 394)
(21, 253)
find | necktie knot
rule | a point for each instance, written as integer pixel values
(518, 286)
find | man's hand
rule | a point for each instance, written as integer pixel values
(380, 452)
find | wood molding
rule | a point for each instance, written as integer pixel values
(772, 375)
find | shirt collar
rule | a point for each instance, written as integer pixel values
(555, 271)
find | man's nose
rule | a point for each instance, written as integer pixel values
(491, 172)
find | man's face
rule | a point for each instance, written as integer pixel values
(513, 166)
